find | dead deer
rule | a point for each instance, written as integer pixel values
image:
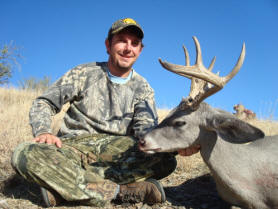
(242, 161)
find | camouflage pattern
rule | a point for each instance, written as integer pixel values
(97, 105)
(98, 153)
(89, 168)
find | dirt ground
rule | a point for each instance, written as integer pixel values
(190, 186)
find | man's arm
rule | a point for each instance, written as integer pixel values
(50, 103)
(145, 115)
(40, 116)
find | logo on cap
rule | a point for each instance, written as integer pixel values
(129, 21)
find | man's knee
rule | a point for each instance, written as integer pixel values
(19, 153)
(23, 154)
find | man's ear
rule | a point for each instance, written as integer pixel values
(107, 44)
(142, 46)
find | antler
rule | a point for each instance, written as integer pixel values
(204, 83)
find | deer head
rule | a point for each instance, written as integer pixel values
(191, 121)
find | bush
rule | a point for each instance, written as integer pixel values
(8, 59)
(35, 83)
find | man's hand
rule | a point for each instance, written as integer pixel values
(48, 139)
(189, 151)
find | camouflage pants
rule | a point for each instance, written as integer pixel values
(89, 168)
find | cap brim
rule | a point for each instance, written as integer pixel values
(137, 30)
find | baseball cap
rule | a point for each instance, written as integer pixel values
(121, 24)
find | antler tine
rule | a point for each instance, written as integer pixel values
(212, 64)
(199, 60)
(187, 59)
(181, 69)
(237, 67)
(178, 69)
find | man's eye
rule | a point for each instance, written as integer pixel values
(121, 40)
(135, 43)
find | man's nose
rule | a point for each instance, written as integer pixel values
(128, 46)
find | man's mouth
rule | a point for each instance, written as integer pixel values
(126, 56)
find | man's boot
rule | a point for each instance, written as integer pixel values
(149, 191)
(52, 198)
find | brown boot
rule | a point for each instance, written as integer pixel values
(149, 191)
(52, 198)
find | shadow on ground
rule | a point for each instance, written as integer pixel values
(18, 188)
(196, 193)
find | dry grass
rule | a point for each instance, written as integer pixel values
(269, 127)
(14, 129)
(162, 113)
(14, 107)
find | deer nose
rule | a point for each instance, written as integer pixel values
(142, 142)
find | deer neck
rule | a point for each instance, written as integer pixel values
(229, 167)
(219, 154)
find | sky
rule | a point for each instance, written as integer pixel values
(56, 35)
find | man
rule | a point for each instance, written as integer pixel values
(94, 158)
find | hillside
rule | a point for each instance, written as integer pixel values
(190, 186)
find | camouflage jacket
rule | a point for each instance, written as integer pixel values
(97, 105)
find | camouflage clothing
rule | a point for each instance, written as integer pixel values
(99, 135)
(89, 168)
(97, 105)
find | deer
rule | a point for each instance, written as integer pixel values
(243, 113)
(242, 160)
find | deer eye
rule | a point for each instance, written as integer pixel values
(179, 123)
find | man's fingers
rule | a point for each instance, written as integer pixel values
(185, 152)
(48, 139)
(36, 139)
(195, 149)
(58, 143)
(40, 139)
(189, 151)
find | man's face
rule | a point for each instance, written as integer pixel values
(124, 49)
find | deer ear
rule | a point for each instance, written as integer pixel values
(234, 130)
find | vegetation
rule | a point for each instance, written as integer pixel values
(35, 83)
(9, 55)
(8, 59)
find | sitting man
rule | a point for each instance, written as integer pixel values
(94, 158)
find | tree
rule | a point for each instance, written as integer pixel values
(8, 60)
